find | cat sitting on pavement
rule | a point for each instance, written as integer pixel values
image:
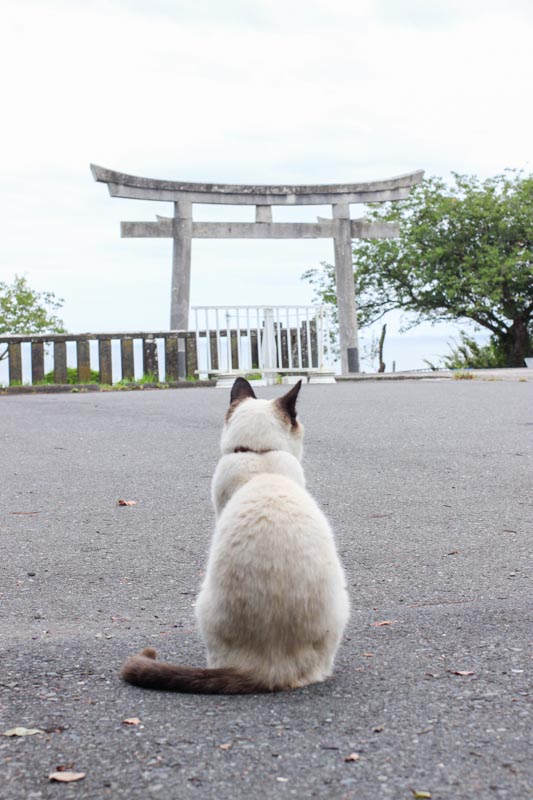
(273, 605)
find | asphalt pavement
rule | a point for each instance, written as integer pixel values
(428, 488)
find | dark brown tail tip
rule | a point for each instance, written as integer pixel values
(149, 652)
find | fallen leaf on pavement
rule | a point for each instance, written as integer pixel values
(227, 746)
(23, 513)
(460, 671)
(383, 622)
(352, 757)
(66, 777)
(23, 732)
(131, 721)
(420, 795)
(126, 502)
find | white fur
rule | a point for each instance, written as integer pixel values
(273, 602)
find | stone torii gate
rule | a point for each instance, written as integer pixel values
(341, 228)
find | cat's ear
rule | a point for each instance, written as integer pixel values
(287, 403)
(240, 390)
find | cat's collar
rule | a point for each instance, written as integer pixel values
(250, 450)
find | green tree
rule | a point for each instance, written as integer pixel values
(25, 311)
(467, 353)
(465, 252)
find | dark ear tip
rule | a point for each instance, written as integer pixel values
(288, 401)
(241, 389)
(295, 388)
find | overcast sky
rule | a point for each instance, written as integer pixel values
(231, 90)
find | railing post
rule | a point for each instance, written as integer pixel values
(15, 363)
(234, 349)
(213, 349)
(269, 341)
(60, 362)
(191, 355)
(150, 362)
(84, 360)
(313, 338)
(182, 357)
(104, 358)
(126, 359)
(37, 362)
(171, 358)
(254, 350)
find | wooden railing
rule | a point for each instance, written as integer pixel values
(171, 356)
(179, 356)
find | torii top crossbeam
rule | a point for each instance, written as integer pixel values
(136, 188)
(341, 228)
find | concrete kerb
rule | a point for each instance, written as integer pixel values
(504, 374)
(523, 375)
(82, 388)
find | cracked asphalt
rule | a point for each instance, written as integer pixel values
(428, 488)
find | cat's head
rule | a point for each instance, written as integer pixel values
(262, 425)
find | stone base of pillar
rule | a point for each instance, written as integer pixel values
(290, 380)
(322, 377)
(226, 381)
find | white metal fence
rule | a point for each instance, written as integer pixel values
(265, 339)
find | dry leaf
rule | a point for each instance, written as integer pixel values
(23, 732)
(23, 513)
(126, 502)
(352, 757)
(227, 746)
(460, 671)
(384, 622)
(420, 795)
(66, 777)
(131, 721)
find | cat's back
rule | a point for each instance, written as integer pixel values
(275, 494)
(273, 514)
(273, 559)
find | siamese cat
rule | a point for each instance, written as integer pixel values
(273, 605)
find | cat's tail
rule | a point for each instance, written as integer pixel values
(144, 670)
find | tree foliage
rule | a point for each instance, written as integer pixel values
(467, 353)
(25, 311)
(465, 252)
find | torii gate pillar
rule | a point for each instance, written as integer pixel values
(181, 266)
(346, 305)
(342, 229)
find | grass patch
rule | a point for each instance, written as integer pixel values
(72, 377)
(463, 376)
